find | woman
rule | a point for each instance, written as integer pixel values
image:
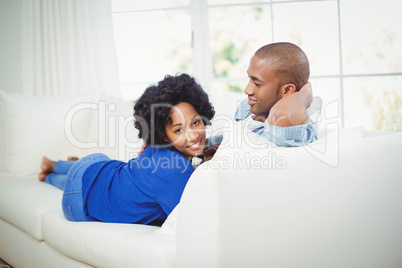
(171, 118)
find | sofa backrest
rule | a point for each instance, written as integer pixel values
(58, 127)
(112, 128)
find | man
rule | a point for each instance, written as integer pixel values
(279, 95)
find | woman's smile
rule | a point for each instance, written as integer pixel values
(196, 146)
(186, 130)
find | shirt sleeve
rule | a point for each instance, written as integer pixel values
(242, 111)
(293, 136)
(214, 140)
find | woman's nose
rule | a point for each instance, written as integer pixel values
(192, 135)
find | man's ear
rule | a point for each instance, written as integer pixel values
(288, 89)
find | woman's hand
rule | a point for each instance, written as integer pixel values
(209, 154)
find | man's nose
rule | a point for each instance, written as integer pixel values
(249, 90)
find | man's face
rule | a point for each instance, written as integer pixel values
(262, 88)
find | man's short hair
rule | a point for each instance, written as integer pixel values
(289, 61)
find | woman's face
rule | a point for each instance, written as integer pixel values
(186, 130)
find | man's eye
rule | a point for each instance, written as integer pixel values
(257, 85)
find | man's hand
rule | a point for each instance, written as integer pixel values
(308, 91)
(291, 110)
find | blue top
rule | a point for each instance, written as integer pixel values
(293, 136)
(144, 189)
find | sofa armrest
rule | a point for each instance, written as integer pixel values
(198, 222)
(2, 141)
(309, 214)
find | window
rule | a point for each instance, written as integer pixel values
(354, 47)
(153, 38)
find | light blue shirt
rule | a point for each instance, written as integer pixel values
(294, 136)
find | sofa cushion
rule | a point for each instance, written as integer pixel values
(36, 126)
(23, 200)
(109, 244)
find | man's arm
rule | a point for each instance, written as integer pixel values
(291, 110)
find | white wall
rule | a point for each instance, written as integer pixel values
(10, 46)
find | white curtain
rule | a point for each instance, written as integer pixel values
(68, 47)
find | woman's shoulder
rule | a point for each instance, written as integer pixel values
(162, 159)
(157, 151)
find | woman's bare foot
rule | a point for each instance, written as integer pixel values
(42, 176)
(47, 165)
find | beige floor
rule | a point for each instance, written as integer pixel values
(3, 264)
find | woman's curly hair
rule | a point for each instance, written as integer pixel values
(151, 111)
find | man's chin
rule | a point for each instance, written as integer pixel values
(254, 110)
(260, 118)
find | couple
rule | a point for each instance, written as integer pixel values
(171, 117)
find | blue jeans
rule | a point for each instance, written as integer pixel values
(59, 175)
(72, 202)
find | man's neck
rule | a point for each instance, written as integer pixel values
(259, 118)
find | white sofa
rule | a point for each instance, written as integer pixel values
(334, 203)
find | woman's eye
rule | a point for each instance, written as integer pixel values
(178, 131)
(196, 122)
